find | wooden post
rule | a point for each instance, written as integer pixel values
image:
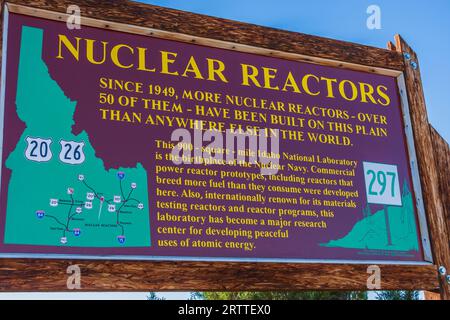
(429, 295)
(429, 175)
(442, 157)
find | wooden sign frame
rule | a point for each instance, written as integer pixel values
(399, 61)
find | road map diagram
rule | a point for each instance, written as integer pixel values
(94, 201)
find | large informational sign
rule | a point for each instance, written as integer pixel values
(134, 147)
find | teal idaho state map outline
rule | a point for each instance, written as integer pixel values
(85, 193)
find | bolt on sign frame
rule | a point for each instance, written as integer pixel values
(400, 61)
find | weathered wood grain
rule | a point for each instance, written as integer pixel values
(144, 15)
(429, 174)
(429, 295)
(208, 42)
(442, 157)
(50, 275)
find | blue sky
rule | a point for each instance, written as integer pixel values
(424, 24)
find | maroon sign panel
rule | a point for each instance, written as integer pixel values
(129, 146)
